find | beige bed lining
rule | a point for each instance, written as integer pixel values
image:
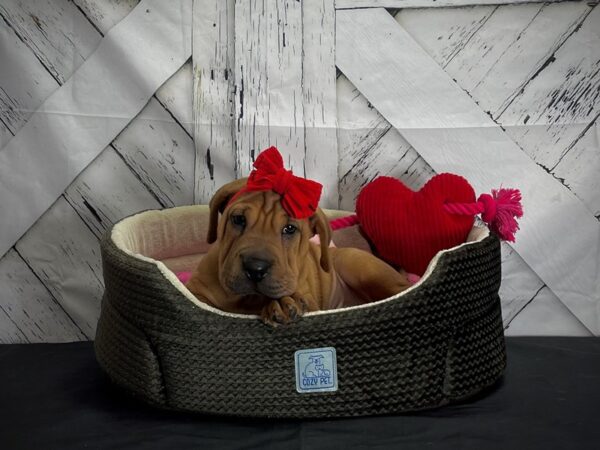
(175, 240)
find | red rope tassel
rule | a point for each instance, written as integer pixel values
(499, 210)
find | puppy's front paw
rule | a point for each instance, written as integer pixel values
(283, 311)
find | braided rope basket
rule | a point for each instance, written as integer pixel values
(440, 341)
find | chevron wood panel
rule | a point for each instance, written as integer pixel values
(98, 202)
(516, 76)
(452, 130)
(532, 66)
(65, 255)
(20, 96)
(168, 159)
(28, 311)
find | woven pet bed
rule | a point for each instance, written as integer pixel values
(438, 342)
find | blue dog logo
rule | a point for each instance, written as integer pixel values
(316, 370)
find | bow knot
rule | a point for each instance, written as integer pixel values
(299, 196)
(282, 181)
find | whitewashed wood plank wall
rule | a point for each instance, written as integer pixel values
(450, 130)
(534, 67)
(157, 144)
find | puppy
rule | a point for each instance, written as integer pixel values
(263, 263)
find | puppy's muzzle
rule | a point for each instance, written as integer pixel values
(256, 269)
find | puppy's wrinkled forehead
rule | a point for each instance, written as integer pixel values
(260, 208)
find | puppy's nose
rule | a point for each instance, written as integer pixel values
(256, 269)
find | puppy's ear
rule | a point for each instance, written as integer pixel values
(218, 203)
(320, 225)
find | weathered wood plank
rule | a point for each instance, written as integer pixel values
(214, 99)
(9, 331)
(20, 95)
(519, 284)
(76, 40)
(496, 67)
(443, 33)
(580, 167)
(268, 76)
(511, 48)
(545, 315)
(351, 4)
(370, 147)
(31, 314)
(65, 255)
(113, 96)
(161, 153)
(100, 203)
(107, 13)
(174, 94)
(319, 98)
(453, 134)
(61, 50)
(558, 104)
(41, 26)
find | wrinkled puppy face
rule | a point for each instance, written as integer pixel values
(261, 246)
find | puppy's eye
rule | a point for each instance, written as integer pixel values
(289, 229)
(238, 220)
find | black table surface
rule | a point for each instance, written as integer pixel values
(54, 396)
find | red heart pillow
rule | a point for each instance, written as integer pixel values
(408, 228)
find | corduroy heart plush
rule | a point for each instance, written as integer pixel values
(408, 228)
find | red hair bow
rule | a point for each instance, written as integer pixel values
(299, 196)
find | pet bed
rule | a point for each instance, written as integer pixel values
(438, 342)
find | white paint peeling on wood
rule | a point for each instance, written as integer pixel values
(65, 255)
(61, 49)
(268, 76)
(579, 169)
(213, 60)
(106, 191)
(175, 96)
(546, 315)
(443, 33)
(519, 284)
(174, 93)
(113, 96)
(445, 136)
(370, 147)
(9, 331)
(350, 4)
(507, 50)
(556, 106)
(20, 95)
(105, 14)
(161, 153)
(30, 312)
(41, 26)
(319, 98)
